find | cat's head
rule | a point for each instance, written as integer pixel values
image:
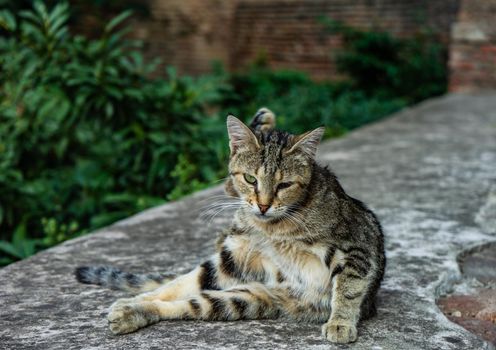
(270, 170)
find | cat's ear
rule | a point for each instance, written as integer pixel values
(308, 142)
(240, 135)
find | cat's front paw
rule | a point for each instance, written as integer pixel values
(127, 318)
(339, 332)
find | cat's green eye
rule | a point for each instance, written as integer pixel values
(250, 179)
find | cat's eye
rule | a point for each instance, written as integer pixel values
(250, 179)
(284, 185)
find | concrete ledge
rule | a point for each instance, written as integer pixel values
(427, 172)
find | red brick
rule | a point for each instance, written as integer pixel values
(480, 15)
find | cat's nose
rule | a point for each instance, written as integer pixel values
(263, 208)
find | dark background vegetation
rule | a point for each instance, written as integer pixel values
(90, 135)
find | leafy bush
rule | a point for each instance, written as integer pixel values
(86, 137)
(301, 103)
(379, 63)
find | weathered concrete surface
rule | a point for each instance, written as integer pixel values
(427, 172)
(475, 312)
(480, 264)
(472, 304)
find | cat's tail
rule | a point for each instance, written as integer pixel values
(113, 278)
(264, 120)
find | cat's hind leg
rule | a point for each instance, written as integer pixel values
(207, 276)
(223, 270)
(253, 301)
(179, 288)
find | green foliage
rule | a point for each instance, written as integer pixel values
(379, 63)
(301, 103)
(187, 182)
(56, 233)
(87, 137)
(20, 247)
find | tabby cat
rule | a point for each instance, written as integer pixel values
(298, 247)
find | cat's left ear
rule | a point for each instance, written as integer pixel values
(308, 142)
(240, 135)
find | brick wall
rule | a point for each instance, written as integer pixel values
(289, 34)
(190, 34)
(187, 34)
(473, 49)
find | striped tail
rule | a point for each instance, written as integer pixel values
(263, 121)
(113, 278)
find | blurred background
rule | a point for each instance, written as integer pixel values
(110, 107)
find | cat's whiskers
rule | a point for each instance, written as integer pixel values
(218, 207)
(217, 197)
(213, 210)
(220, 180)
(220, 200)
(208, 219)
(297, 220)
(219, 204)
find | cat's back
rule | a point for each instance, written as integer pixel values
(334, 209)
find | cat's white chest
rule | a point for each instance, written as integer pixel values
(302, 267)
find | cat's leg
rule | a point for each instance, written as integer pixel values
(252, 301)
(208, 276)
(348, 292)
(180, 287)
(223, 270)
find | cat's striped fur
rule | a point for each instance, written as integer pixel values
(298, 247)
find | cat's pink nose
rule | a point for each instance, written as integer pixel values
(263, 208)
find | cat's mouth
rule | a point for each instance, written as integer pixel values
(268, 218)
(264, 217)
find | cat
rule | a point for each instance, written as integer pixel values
(298, 247)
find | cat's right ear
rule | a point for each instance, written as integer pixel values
(240, 135)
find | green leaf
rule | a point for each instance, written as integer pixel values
(5, 261)
(57, 23)
(40, 8)
(19, 235)
(119, 198)
(118, 20)
(10, 249)
(109, 109)
(8, 21)
(60, 11)
(29, 15)
(158, 137)
(108, 218)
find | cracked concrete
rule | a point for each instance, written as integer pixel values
(472, 301)
(429, 172)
